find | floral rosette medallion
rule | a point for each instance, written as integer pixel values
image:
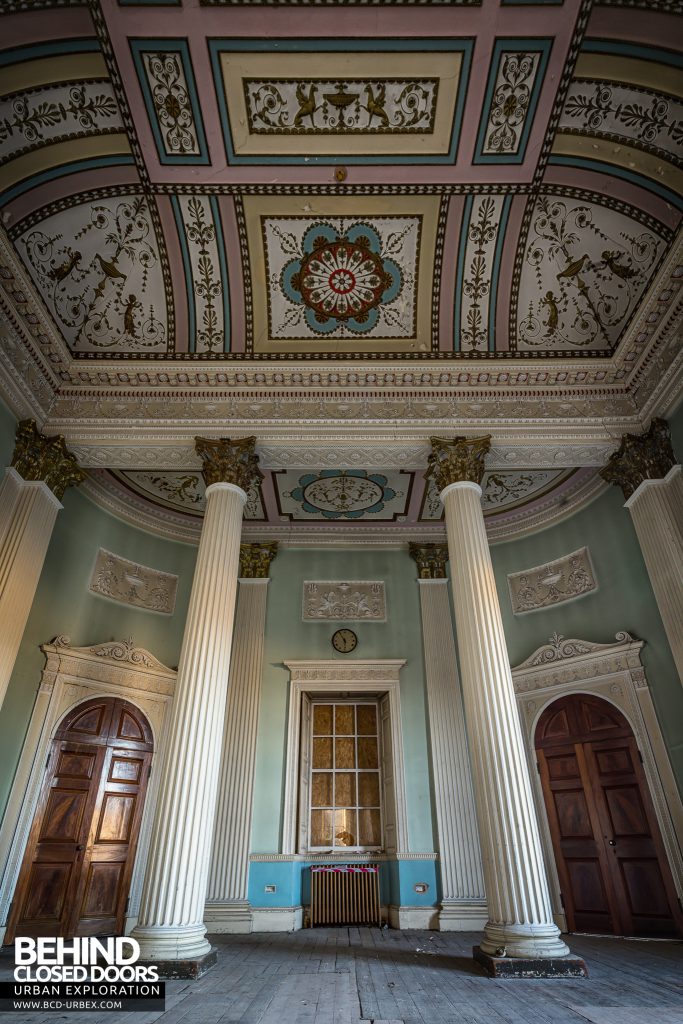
(341, 280)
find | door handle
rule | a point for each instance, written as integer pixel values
(80, 846)
(612, 842)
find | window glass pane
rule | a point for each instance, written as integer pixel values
(345, 753)
(345, 828)
(368, 789)
(344, 789)
(343, 719)
(322, 753)
(321, 828)
(370, 831)
(321, 789)
(367, 720)
(322, 719)
(367, 753)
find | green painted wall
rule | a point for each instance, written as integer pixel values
(63, 604)
(288, 638)
(624, 600)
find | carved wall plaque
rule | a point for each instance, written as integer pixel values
(552, 583)
(348, 600)
(131, 583)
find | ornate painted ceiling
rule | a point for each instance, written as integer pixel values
(341, 224)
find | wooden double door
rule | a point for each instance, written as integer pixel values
(611, 861)
(77, 867)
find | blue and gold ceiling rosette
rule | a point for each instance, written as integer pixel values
(342, 280)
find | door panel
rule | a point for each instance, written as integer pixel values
(79, 858)
(610, 858)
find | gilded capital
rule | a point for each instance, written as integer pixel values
(230, 462)
(647, 456)
(255, 560)
(461, 458)
(431, 560)
(37, 457)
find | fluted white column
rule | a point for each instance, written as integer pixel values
(41, 470)
(170, 923)
(520, 917)
(463, 903)
(227, 907)
(645, 468)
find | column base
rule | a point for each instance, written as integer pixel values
(193, 968)
(162, 943)
(524, 941)
(527, 967)
(228, 917)
(463, 916)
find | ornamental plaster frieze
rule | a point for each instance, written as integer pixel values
(577, 660)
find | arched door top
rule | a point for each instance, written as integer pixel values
(578, 717)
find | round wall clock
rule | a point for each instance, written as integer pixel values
(344, 641)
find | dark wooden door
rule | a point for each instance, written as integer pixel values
(76, 871)
(610, 857)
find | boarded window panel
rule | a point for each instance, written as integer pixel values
(343, 720)
(368, 789)
(345, 753)
(321, 789)
(345, 831)
(345, 789)
(322, 753)
(321, 828)
(367, 752)
(370, 827)
(367, 720)
(322, 720)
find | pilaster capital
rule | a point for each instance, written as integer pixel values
(461, 458)
(647, 456)
(255, 560)
(431, 560)
(38, 457)
(228, 461)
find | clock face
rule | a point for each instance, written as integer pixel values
(344, 640)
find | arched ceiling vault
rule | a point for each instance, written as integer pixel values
(342, 227)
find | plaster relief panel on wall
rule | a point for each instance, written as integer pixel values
(552, 583)
(349, 600)
(131, 583)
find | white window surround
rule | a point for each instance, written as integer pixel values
(71, 676)
(378, 678)
(615, 673)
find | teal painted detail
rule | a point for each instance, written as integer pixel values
(20, 54)
(225, 281)
(288, 638)
(502, 46)
(460, 272)
(115, 160)
(493, 297)
(180, 48)
(620, 172)
(463, 46)
(623, 600)
(380, 495)
(187, 267)
(292, 881)
(651, 53)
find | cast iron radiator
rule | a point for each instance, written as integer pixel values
(345, 894)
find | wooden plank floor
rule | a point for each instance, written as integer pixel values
(359, 975)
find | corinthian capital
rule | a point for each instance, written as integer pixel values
(230, 462)
(431, 560)
(37, 457)
(461, 458)
(647, 456)
(255, 560)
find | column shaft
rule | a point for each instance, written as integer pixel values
(170, 923)
(656, 509)
(28, 510)
(520, 918)
(227, 908)
(463, 905)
